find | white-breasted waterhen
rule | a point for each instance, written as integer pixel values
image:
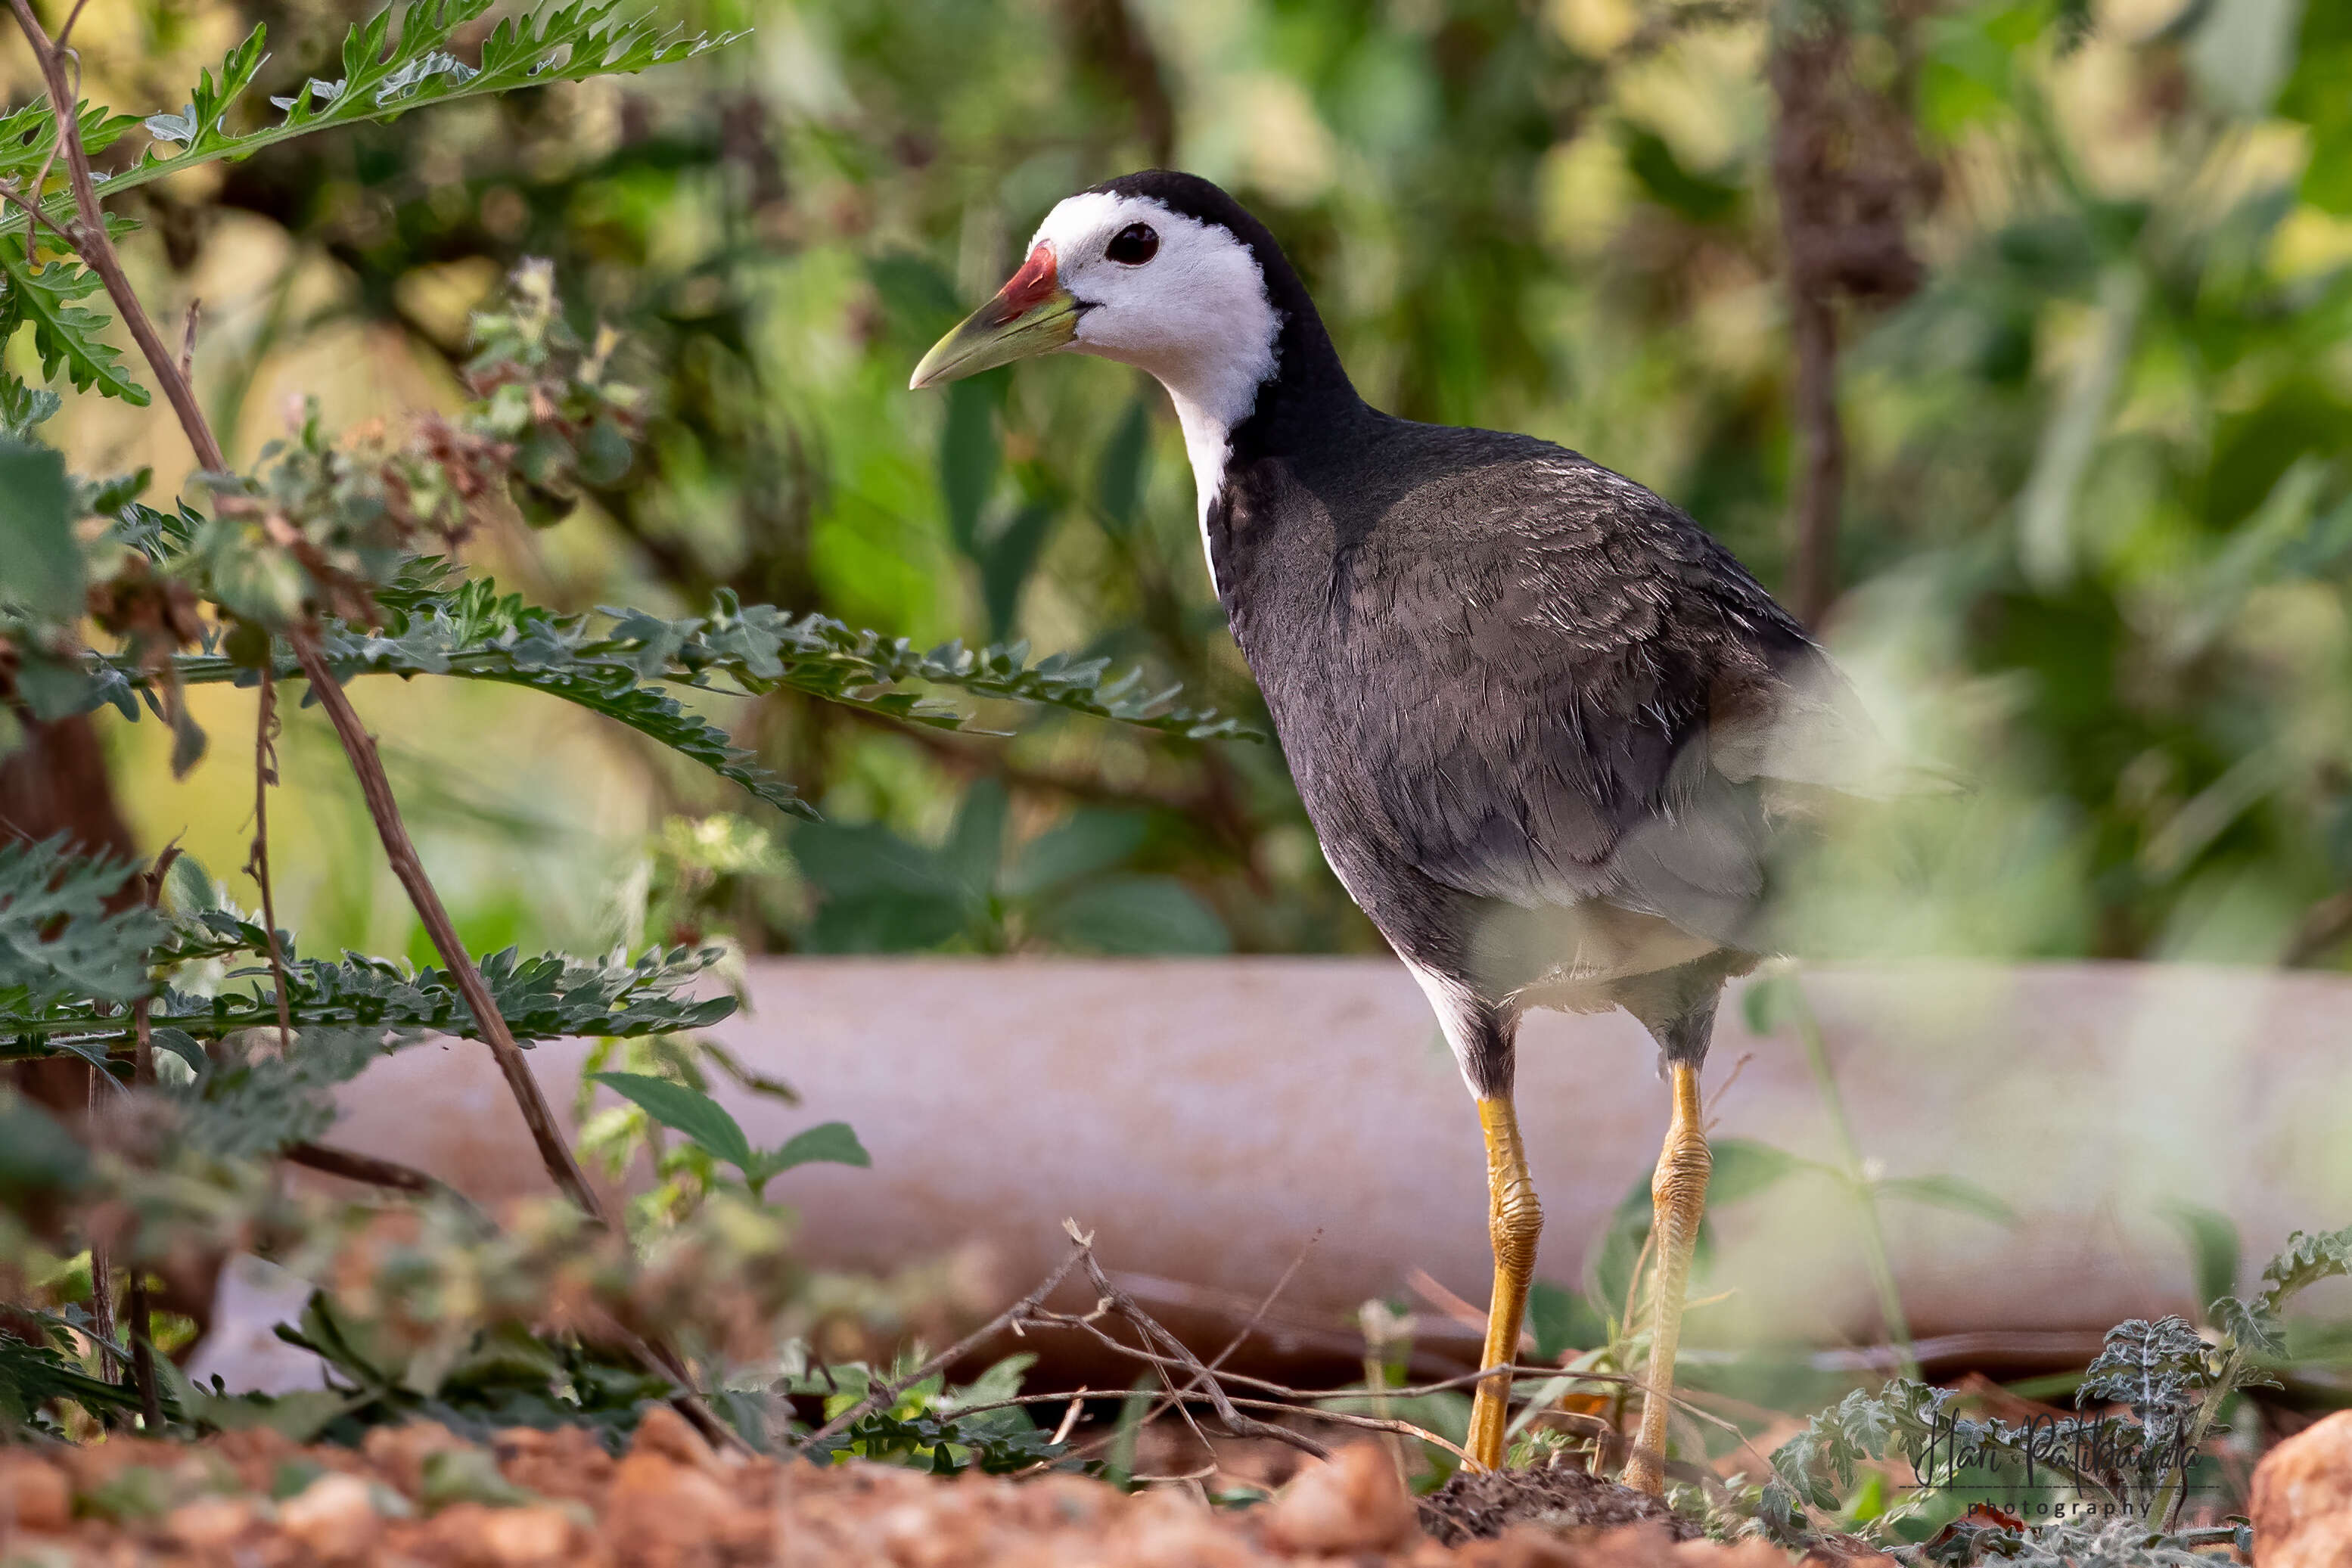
(1539, 717)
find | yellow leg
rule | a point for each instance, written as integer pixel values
(1677, 1200)
(1514, 1220)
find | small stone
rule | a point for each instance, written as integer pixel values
(33, 1495)
(1354, 1503)
(334, 1516)
(1169, 1529)
(664, 1432)
(399, 1453)
(659, 1511)
(209, 1522)
(480, 1536)
(2300, 1501)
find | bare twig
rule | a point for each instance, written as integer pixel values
(1203, 1379)
(687, 1401)
(257, 860)
(188, 340)
(1240, 1334)
(102, 1275)
(391, 1174)
(880, 1395)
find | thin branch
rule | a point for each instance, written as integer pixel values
(1242, 1333)
(257, 860)
(101, 1277)
(188, 340)
(880, 1395)
(1241, 1426)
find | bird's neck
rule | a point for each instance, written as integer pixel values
(1283, 396)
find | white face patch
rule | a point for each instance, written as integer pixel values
(1195, 315)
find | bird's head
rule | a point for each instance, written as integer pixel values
(1159, 270)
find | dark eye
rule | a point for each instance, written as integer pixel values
(1133, 245)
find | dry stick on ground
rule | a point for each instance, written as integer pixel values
(88, 235)
(1241, 1426)
(881, 1395)
(1232, 1344)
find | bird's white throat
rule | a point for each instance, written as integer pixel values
(1197, 316)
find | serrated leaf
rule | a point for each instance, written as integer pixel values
(2255, 1326)
(2305, 1261)
(64, 333)
(59, 939)
(547, 997)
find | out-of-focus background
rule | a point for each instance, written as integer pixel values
(2006, 340)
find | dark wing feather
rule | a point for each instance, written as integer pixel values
(1608, 691)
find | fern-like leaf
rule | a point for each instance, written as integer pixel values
(437, 627)
(547, 997)
(57, 938)
(384, 74)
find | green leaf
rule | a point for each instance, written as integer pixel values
(1090, 843)
(1768, 1001)
(1118, 484)
(65, 334)
(1138, 915)
(1008, 553)
(1955, 1193)
(688, 1111)
(2254, 1325)
(970, 452)
(828, 1143)
(36, 1153)
(40, 559)
(546, 996)
(2213, 1249)
(468, 630)
(1744, 1167)
(1560, 1319)
(976, 843)
(260, 1101)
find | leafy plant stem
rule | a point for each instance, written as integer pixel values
(360, 746)
(97, 248)
(93, 245)
(2174, 1491)
(1873, 1236)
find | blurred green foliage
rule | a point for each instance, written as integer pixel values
(2097, 521)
